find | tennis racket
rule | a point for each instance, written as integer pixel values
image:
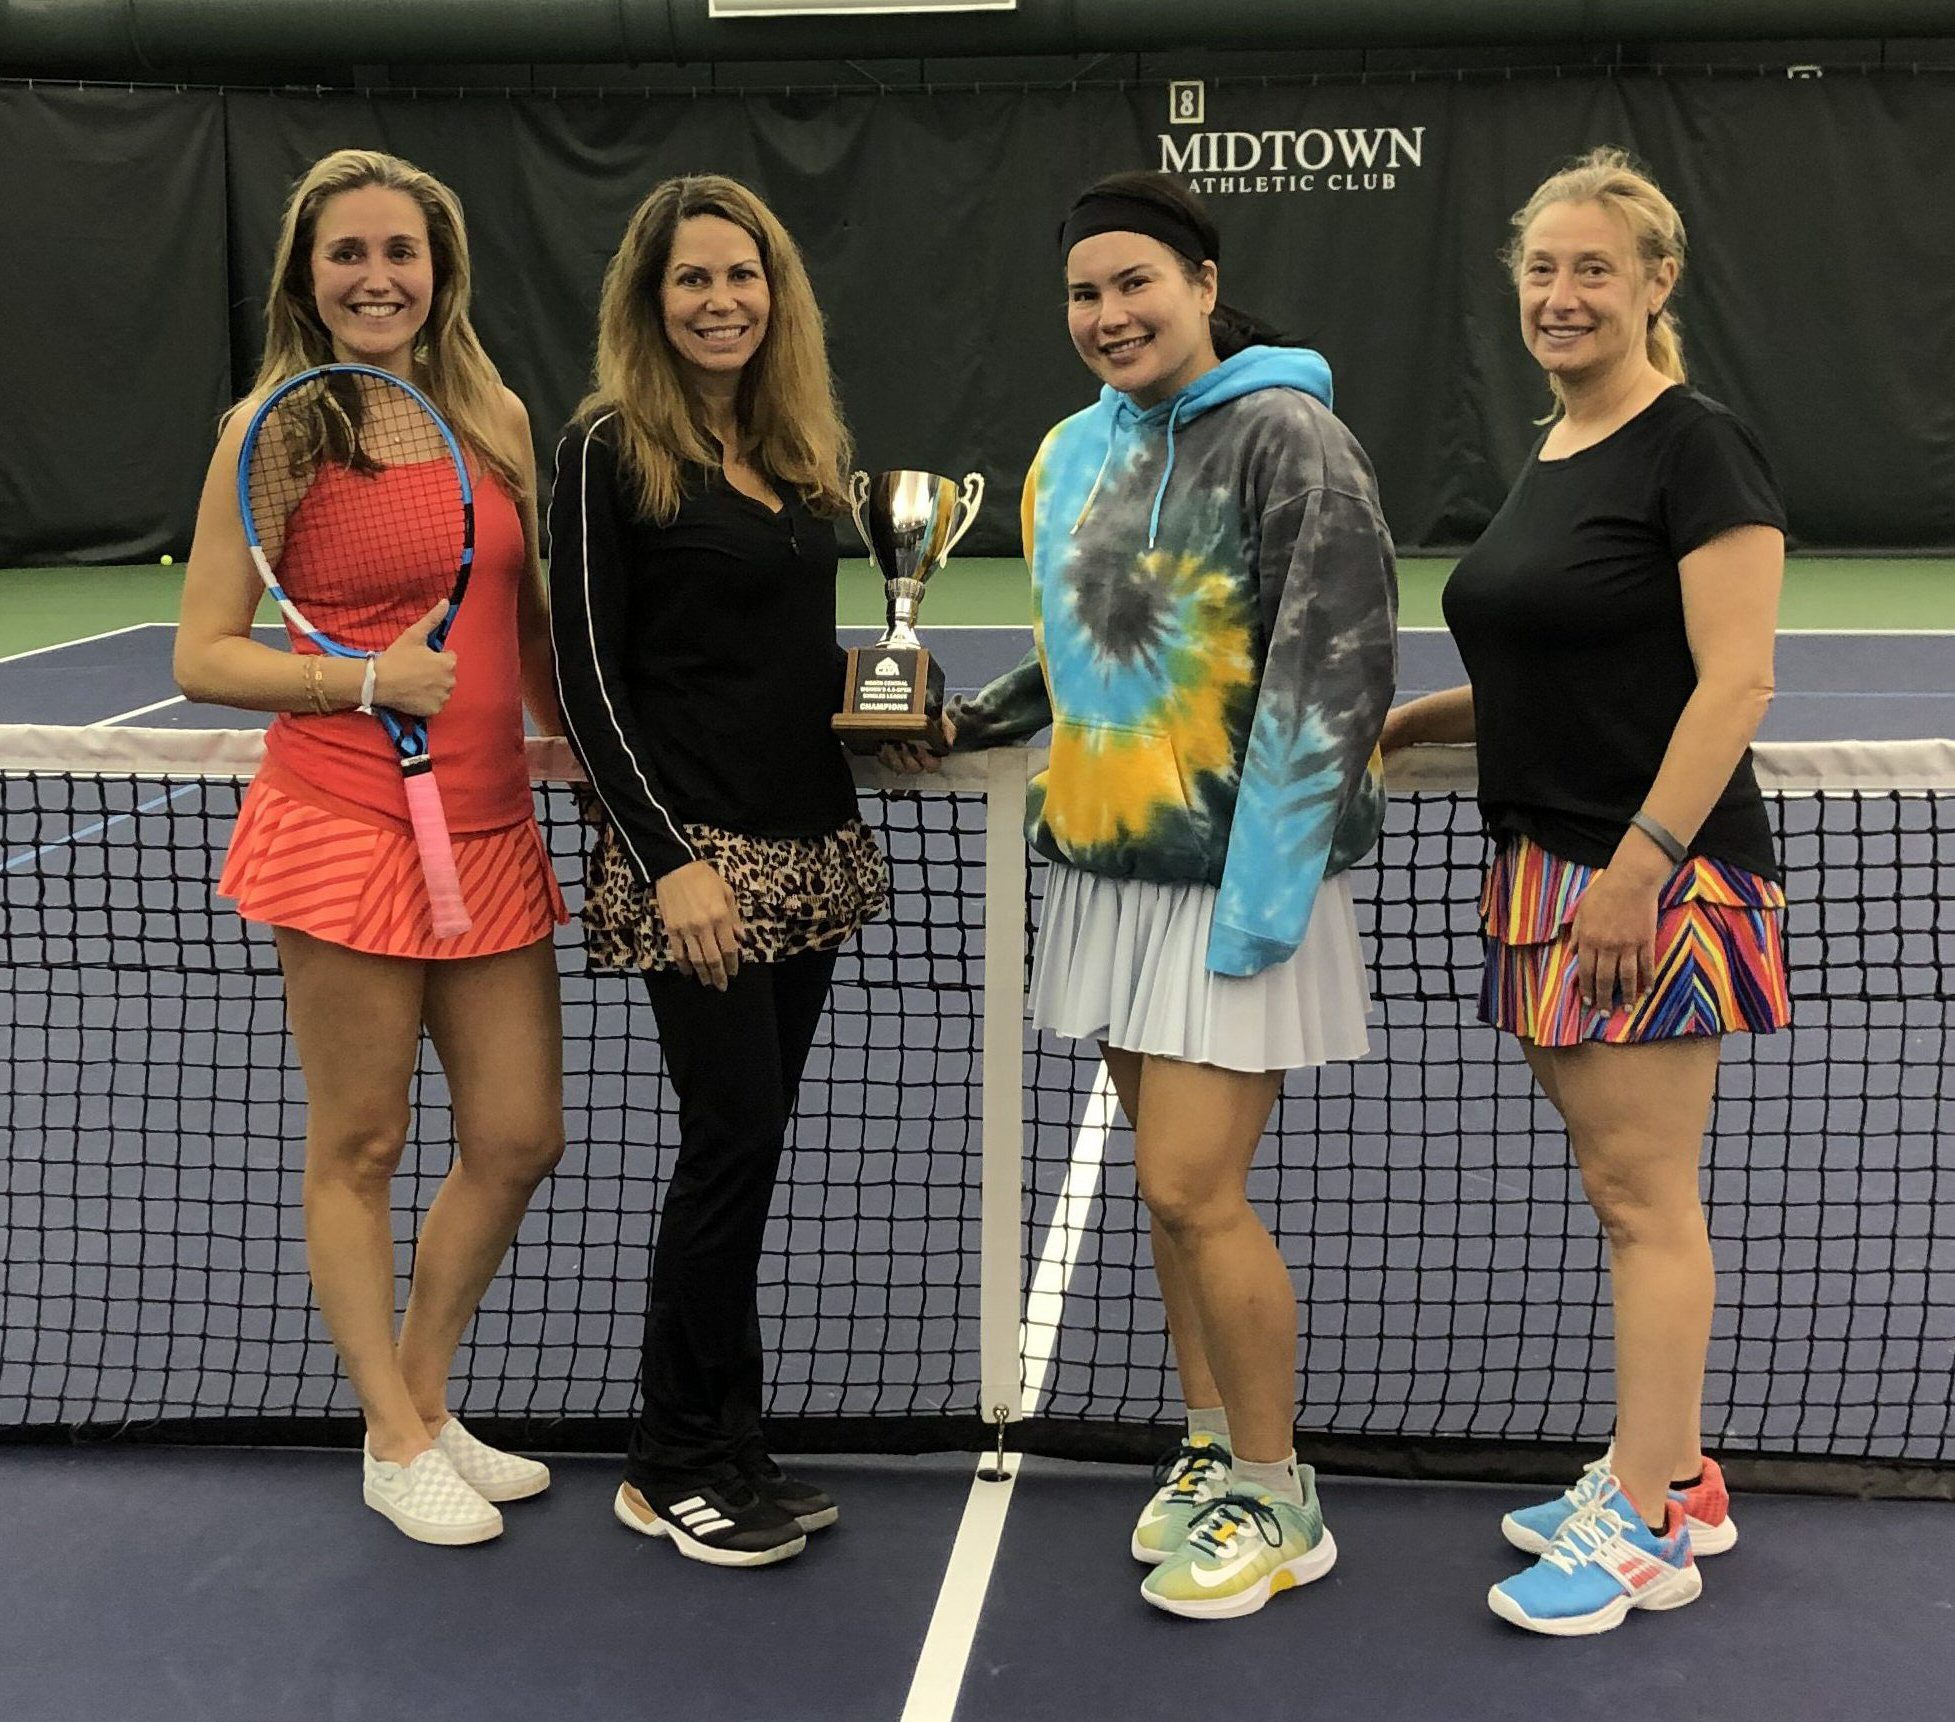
(358, 510)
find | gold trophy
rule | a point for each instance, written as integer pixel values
(911, 521)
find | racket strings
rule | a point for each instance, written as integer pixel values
(358, 506)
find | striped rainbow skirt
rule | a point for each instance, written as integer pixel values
(359, 885)
(1720, 953)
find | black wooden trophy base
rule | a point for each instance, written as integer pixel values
(891, 693)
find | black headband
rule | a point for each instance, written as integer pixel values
(1102, 212)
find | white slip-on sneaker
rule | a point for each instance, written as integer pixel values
(427, 1500)
(491, 1473)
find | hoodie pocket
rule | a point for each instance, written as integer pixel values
(1110, 785)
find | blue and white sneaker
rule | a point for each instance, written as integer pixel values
(1532, 1529)
(1603, 1562)
(1706, 1505)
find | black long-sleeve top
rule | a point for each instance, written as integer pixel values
(696, 661)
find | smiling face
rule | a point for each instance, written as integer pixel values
(372, 275)
(1135, 317)
(1586, 300)
(714, 299)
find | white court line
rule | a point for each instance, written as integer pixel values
(27, 856)
(939, 1677)
(1045, 1304)
(140, 711)
(84, 640)
(1785, 694)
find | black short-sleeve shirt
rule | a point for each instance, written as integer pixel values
(1568, 613)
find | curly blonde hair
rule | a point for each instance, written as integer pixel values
(786, 408)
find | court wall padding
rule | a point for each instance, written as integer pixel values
(1365, 216)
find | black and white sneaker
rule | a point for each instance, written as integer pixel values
(723, 1522)
(811, 1508)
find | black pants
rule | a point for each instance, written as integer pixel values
(735, 1061)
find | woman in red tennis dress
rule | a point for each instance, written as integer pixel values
(372, 267)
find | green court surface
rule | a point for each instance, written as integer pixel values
(45, 606)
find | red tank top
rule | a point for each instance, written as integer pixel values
(346, 763)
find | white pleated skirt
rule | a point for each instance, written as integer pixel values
(1124, 961)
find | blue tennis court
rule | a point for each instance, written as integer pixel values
(1871, 686)
(154, 1279)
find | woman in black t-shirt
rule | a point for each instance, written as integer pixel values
(693, 605)
(1616, 620)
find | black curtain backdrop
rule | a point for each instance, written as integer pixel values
(115, 356)
(1819, 301)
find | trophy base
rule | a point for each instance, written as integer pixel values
(891, 694)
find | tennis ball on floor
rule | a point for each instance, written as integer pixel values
(167, 560)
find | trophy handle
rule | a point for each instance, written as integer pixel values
(859, 500)
(968, 501)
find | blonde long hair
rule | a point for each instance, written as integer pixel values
(1610, 177)
(451, 365)
(785, 409)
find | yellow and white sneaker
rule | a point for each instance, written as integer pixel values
(1240, 1551)
(491, 1473)
(1188, 1479)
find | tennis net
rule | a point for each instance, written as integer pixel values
(957, 1238)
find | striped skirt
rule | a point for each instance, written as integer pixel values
(291, 864)
(1720, 954)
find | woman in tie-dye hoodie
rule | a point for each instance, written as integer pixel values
(1214, 603)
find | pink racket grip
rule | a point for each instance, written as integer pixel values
(437, 855)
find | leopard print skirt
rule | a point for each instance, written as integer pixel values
(795, 894)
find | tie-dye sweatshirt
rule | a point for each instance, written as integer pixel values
(1214, 604)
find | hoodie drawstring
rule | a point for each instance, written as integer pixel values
(1167, 472)
(1244, 373)
(1086, 508)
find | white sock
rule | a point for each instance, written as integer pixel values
(1214, 1423)
(1279, 1477)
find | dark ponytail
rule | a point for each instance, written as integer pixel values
(1230, 329)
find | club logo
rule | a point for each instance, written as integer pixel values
(1283, 159)
(1187, 102)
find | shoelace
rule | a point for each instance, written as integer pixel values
(1236, 1512)
(1585, 1534)
(731, 1485)
(1191, 1469)
(1589, 1486)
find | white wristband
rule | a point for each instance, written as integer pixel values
(367, 681)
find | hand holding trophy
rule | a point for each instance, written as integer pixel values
(911, 521)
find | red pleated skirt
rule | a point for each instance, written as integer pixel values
(291, 864)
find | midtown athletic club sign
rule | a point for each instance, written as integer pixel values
(1280, 159)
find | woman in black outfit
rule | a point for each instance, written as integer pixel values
(693, 600)
(1616, 620)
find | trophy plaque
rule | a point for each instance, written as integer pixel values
(911, 521)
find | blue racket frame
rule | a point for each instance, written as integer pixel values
(409, 734)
